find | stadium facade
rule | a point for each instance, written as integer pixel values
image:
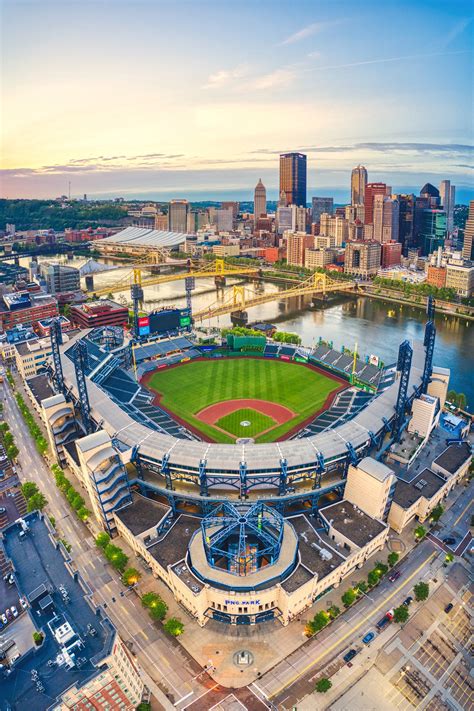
(244, 533)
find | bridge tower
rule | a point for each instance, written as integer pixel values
(405, 353)
(137, 297)
(429, 343)
(81, 363)
(56, 336)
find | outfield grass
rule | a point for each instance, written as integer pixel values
(258, 422)
(189, 388)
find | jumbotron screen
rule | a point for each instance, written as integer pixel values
(169, 320)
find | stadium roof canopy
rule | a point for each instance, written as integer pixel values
(142, 236)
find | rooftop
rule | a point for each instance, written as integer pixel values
(142, 514)
(174, 545)
(299, 577)
(376, 469)
(454, 457)
(40, 566)
(425, 484)
(98, 306)
(351, 522)
(40, 387)
(317, 554)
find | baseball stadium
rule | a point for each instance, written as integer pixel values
(229, 467)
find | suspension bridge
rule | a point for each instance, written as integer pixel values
(240, 298)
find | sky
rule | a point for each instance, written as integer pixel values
(163, 98)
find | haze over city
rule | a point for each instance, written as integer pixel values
(197, 99)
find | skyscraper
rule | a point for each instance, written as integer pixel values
(293, 178)
(178, 215)
(321, 205)
(372, 189)
(358, 183)
(386, 216)
(406, 221)
(447, 194)
(468, 249)
(259, 200)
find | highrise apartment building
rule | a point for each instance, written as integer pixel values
(386, 219)
(371, 190)
(321, 205)
(358, 183)
(447, 195)
(296, 245)
(293, 178)
(259, 201)
(334, 226)
(468, 248)
(178, 215)
(61, 278)
(362, 258)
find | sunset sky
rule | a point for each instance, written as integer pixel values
(196, 99)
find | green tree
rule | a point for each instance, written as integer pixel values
(420, 532)
(116, 557)
(323, 685)
(449, 558)
(437, 513)
(12, 451)
(131, 576)
(421, 590)
(373, 578)
(36, 502)
(401, 614)
(320, 620)
(362, 586)
(174, 627)
(381, 568)
(38, 638)
(334, 611)
(83, 513)
(28, 489)
(149, 598)
(392, 558)
(156, 606)
(144, 706)
(349, 597)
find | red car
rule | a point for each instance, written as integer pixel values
(394, 576)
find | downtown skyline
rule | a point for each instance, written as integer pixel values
(155, 100)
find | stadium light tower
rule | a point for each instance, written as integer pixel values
(137, 297)
(81, 363)
(429, 343)
(405, 353)
(56, 336)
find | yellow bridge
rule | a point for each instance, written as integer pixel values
(240, 298)
(218, 268)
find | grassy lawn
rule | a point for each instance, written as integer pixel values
(189, 388)
(258, 422)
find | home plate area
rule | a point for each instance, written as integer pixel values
(245, 418)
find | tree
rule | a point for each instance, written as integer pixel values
(155, 605)
(36, 502)
(401, 614)
(373, 578)
(392, 558)
(421, 590)
(420, 532)
(12, 451)
(334, 611)
(437, 512)
(149, 598)
(323, 685)
(381, 568)
(38, 638)
(131, 576)
(349, 597)
(361, 586)
(174, 627)
(83, 513)
(320, 620)
(29, 489)
(116, 557)
(449, 558)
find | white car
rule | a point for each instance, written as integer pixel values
(14, 611)
(4, 619)
(23, 603)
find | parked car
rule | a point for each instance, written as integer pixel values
(449, 540)
(14, 611)
(3, 617)
(2, 510)
(349, 655)
(9, 614)
(408, 601)
(15, 658)
(394, 576)
(448, 608)
(23, 603)
(386, 619)
(368, 637)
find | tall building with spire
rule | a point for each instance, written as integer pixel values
(358, 183)
(259, 200)
(293, 178)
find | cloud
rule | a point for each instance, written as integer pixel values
(385, 60)
(457, 30)
(225, 76)
(309, 31)
(277, 78)
(379, 146)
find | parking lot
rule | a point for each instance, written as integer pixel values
(13, 501)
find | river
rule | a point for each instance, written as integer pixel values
(377, 327)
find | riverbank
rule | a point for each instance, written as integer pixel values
(444, 307)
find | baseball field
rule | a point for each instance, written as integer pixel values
(224, 399)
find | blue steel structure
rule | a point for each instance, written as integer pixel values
(239, 539)
(137, 296)
(81, 364)
(429, 344)
(405, 354)
(56, 336)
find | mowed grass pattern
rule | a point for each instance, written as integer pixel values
(258, 422)
(189, 388)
